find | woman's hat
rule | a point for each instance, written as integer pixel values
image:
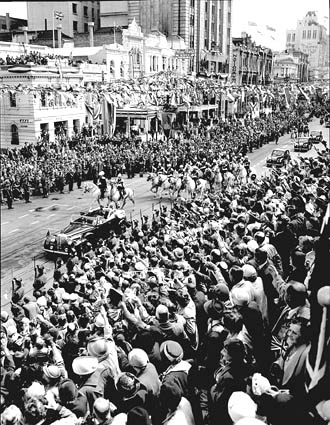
(138, 358)
(67, 390)
(241, 405)
(172, 350)
(52, 371)
(84, 365)
(128, 385)
(98, 347)
(138, 416)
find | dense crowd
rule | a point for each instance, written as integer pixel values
(48, 166)
(33, 57)
(200, 315)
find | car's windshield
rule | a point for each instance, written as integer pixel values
(277, 153)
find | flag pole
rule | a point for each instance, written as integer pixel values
(53, 31)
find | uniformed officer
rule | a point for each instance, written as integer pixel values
(8, 193)
(102, 183)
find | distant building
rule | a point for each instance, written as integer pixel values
(310, 37)
(214, 36)
(8, 24)
(76, 15)
(251, 64)
(290, 66)
(204, 25)
(25, 114)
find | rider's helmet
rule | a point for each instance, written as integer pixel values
(101, 173)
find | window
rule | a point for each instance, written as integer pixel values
(85, 11)
(14, 134)
(309, 33)
(93, 13)
(206, 6)
(112, 68)
(314, 33)
(74, 9)
(75, 26)
(4, 26)
(304, 34)
(12, 98)
(288, 39)
(85, 27)
(164, 63)
(293, 37)
(122, 69)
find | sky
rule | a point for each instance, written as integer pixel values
(278, 14)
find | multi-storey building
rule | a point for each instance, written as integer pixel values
(290, 66)
(251, 64)
(76, 15)
(215, 36)
(310, 37)
(26, 113)
(204, 25)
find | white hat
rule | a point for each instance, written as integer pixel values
(248, 270)
(84, 365)
(138, 358)
(240, 296)
(35, 390)
(252, 245)
(99, 321)
(241, 405)
(101, 173)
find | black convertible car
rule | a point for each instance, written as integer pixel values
(278, 158)
(88, 226)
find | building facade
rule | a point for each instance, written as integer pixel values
(251, 64)
(215, 36)
(8, 23)
(310, 37)
(26, 113)
(76, 15)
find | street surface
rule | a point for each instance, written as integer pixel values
(24, 228)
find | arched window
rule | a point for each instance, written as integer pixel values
(112, 69)
(14, 134)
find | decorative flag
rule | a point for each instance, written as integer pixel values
(270, 28)
(303, 93)
(319, 302)
(252, 24)
(58, 15)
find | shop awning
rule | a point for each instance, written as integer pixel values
(137, 113)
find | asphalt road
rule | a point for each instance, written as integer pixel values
(23, 229)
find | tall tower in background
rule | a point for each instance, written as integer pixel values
(204, 25)
(76, 15)
(310, 37)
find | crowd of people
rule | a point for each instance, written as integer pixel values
(48, 166)
(32, 57)
(203, 314)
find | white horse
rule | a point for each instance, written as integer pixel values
(159, 183)
(115, 196)
(176, 185)
(189, 185)
(90, 187)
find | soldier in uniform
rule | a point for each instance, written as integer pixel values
(8, 193)
(26, 189)
(120, 186)
(102, 183)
